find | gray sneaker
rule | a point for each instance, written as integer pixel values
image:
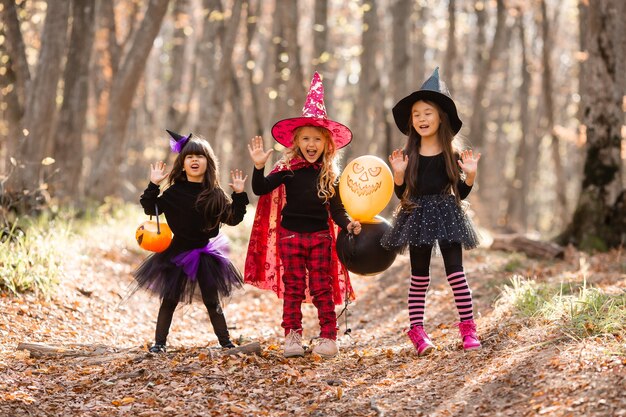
(293, 345)
(326, 348)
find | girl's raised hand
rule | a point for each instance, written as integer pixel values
(158, 172)
(469, 162)
(238, 181)
(258, 155)
(399, 161)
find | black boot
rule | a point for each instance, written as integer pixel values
(157, 348)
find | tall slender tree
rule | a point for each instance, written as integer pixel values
(68, 138)
(599, 221)
(37, 95)
(548, 95)
(105, 178)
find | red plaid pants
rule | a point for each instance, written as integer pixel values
(299, 253)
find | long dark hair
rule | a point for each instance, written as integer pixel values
(450, 154)
(212, 200)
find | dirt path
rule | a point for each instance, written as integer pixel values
(522, 370)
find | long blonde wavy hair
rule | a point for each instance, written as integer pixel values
(329, 171)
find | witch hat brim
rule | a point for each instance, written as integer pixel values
(434, 91)
(313, 114)
(283, 130)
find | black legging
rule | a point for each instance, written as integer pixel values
(212, 303)
(420, 259)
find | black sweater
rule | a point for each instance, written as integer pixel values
(188, 224)
(304, 211)
(432, 178)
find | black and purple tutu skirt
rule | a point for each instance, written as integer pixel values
(436, 220)
(175, 274)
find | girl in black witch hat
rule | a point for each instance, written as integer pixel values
(195, 205)
(431, 178)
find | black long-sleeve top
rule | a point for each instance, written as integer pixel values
(188, 223)
(432, 178)
(304, 211)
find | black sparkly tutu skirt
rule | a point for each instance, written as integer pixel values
(175, 275)
(436, 220)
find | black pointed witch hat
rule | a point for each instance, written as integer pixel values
(433, 90)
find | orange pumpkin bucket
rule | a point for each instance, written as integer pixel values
(154, 236)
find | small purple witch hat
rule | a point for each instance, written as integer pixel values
(177, 141)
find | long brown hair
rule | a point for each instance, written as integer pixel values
(450, 154)
(212, 200)
(329, 170)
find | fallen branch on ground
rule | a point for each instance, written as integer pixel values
(534, 248)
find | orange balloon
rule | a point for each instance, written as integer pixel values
(366, 187)
(150, 238)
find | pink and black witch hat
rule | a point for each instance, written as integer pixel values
(313, 114)
(177, 141)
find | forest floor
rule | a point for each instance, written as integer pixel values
(525, 368)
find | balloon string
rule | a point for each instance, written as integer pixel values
(347, 295)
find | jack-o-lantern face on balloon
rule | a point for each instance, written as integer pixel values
(365, 186)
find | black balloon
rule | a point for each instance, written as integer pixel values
(363, 253)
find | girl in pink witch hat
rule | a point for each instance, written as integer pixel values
(292, 244)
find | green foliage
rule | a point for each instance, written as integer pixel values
(526, 296)
(580, 310)
(594, 313)
(514, 263)
(592, 243)
(32, 261)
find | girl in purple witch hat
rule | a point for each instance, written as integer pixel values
(195, 205)
(431, 178)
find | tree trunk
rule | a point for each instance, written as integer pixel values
(485, 66)
(367, 103)
(449, 62)
(176, 104)
(68, 144)
(16, 51)
(547, 36)
(105, 178)
(320, 36)
(400, 59)
(419, 72)
(11, 114)
(500, 112)
(105, 63)
(599, 218)
(41, 96)
(222, 75)
(239, 138)
(206, 51)
(255, 108)
(519, 189)
(296, 90)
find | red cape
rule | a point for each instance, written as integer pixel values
(263, 267)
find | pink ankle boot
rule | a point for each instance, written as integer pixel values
(468, 335)
(420, 340)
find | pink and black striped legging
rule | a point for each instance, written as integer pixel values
(420, 280)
